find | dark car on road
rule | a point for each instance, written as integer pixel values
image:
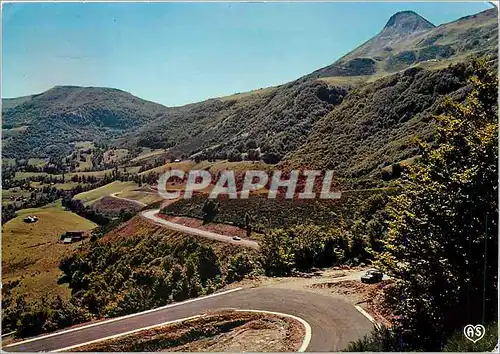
(372, 276)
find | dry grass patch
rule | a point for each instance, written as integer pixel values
(114, 155)
(112, 205)
(93, 195)
(249, 94)
(183, 165)
(141, 196)
(148, 153)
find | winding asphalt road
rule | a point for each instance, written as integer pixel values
(152, 216)
(334, 322)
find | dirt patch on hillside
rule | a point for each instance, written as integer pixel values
(114, 205)
(222, 229)
(224, 331)
(369, 296)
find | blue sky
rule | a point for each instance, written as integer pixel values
(177, 53)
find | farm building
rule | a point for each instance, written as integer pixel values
(73, 236)
(30, 219)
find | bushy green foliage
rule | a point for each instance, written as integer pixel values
(384, 339)
(210, 209)
(351, 231)
(242, 265)
(29, 319)
(286, 213)
(277, 252)
(381, 339)
(303, 247)
(442, 242)
(130, 275)
(458, 343)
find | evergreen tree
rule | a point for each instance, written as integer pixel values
(442, 239)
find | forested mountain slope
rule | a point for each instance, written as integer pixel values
(356, 115)
(278, 120)
(49, 121)
(376, 125)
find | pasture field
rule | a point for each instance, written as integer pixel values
(93, 195)
(23, 175)
(9, 195)
(183, 165)
(101, 174)
(84, 165)
(130, 169)
(8, 162)
(115, 155)
(98, 174)
(37, 162)
(62, 186)
(140, 196)
(148, 153)
(14, 192)
(31, 252)
(84, 145)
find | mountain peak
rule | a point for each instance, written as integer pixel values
(407, 22)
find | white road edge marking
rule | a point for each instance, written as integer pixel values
(307, 327)
(123, 317)
(367, 315)
(126, 333)
(303, 347)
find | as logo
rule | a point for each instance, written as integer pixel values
(474, 333)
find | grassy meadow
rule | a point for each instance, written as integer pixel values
(93, 195)
(31, 252)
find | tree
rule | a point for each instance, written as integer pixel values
(277, 252)
(271, 157)
(248, 224)
(251, 144)
(239, 266)
(253, 155)
(210, 209)
(234, 155)
(442, 238)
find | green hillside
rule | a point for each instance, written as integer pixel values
(356, 115)
(64, 114)
(377, 124)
